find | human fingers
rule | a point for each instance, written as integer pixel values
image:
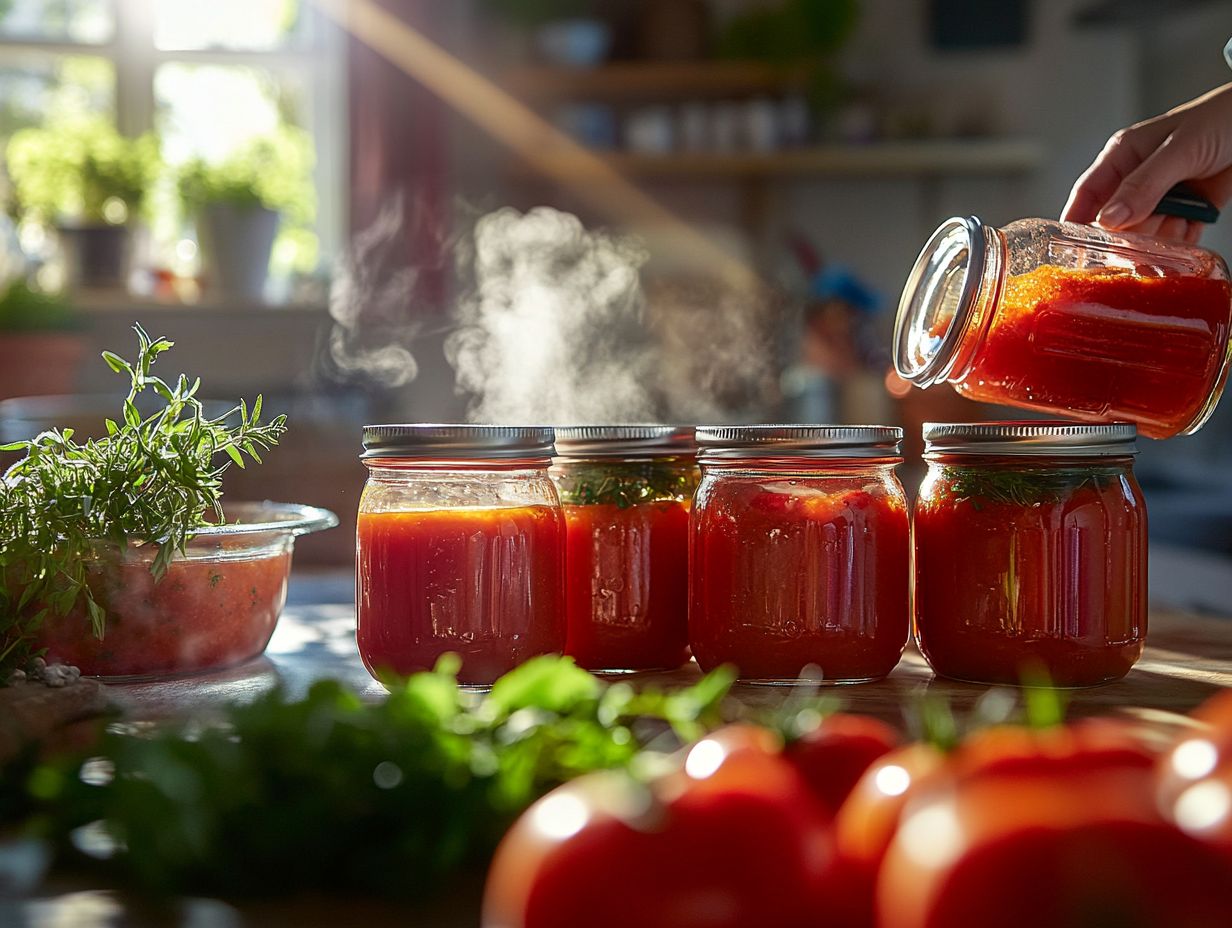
(1140, 191)
(1121, 155)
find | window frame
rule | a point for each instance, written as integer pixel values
(318, 60)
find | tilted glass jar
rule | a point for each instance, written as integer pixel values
(1069, 319)
(626, 492)
(460, 548)
(800, 552)
(1030, 552)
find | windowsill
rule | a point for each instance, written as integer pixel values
(100, 303)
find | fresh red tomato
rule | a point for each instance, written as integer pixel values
(867, 820)
(1026, 849)
(834, 755)
(1195, 777)
(732, 838)
(1087, 746)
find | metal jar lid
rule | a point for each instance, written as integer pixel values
(448, 441)
(1028, 438)
(938, 299)
(625, 441)
(741, 442)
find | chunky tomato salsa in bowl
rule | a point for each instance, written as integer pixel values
(215, 606)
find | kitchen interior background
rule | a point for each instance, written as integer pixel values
(780, 163)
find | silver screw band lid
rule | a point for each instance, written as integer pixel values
(937, 300)
(625, 441)
(736, 442)
(1027, 438)
(458, 441)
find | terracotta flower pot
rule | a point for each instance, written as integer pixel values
(39, 363)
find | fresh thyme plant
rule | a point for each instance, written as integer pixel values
(153, 480)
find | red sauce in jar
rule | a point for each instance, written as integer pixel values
(1054, 584)
(486, 584)
(785, 575)
(626, 589)
(205, 613)
(1106, 344)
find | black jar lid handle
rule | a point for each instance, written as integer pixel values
(1185, 202)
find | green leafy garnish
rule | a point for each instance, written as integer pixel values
(390, 798)
(626, 484)
(152, 480)
(1023, 487)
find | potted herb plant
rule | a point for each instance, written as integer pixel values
(83, 177)
(240, 202)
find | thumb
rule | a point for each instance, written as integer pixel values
(1142, 188)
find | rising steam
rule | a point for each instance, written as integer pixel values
(554, 331)
(557, 329)
(371, 303)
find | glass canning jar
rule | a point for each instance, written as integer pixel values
(800, 552)
(460, 548)
(1069, 319)
(626, 491)
(1030, 552)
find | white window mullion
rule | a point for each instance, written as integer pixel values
(134, 63)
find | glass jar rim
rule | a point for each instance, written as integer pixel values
(458, 441)
(787, 442)
(633, 440)
(942, 288)
(1031, 438)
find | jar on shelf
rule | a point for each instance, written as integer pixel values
(626, 492)
(1069, 319)
(800, 553)
(1030, 553)
(460, 548)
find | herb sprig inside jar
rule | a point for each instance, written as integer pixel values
(626, 491)
(150, 483)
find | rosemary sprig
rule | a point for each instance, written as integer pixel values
(1025, 487)
(626, 484)
(151, 480)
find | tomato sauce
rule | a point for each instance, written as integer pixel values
(1053, 583)
(626, 590)
(205, 613)
(1106, 344)
(486, 584)
(786, 574)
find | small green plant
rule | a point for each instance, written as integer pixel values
(81, 170)
(273, 171)
(24, 309)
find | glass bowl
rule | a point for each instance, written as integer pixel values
(216, 606)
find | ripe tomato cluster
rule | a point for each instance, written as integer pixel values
(1085, 824)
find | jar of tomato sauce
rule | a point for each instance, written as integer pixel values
(1030, 552)
(800, 552)
(460, 548)
(626, 491)
(1069, 319)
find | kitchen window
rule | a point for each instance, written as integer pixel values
(208, 76)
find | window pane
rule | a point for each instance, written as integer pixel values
(39, 88)
(58, 20)
(211, 112)
(251, 25)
